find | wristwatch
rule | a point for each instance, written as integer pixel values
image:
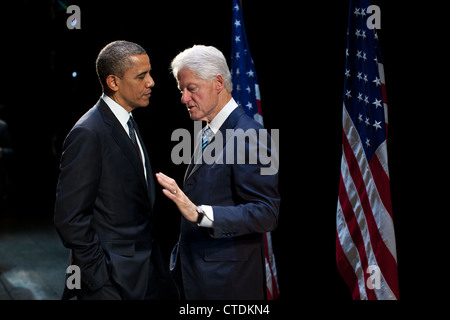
(201, 214)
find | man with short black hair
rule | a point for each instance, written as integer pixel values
(105, 192)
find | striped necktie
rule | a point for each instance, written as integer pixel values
(206, 136)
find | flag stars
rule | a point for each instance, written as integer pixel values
(360, 12)
(365, 78)
(377, 103)
(348, 94)
(347, 73)
(362, 94)
(359, 54)
(377, 81)
(244, 78)
(360, 98)
(362, 77)
(377, 125)
(366, 99)
(363, 34)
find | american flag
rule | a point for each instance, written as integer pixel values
(365, 240)
(246, 93)
(245, 82)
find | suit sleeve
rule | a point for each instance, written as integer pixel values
(255, 193)
(76, 193)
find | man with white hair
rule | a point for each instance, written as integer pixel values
(226, 205)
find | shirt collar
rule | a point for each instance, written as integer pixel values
(121, 114)
(223, 114)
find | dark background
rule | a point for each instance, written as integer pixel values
(299, 54)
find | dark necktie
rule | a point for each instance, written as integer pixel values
(131, 126)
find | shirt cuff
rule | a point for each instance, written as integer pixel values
(208, 218)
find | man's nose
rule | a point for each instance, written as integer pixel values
(150, 82)
(185, 97)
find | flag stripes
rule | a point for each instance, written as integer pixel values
(365, 239)
(358, 199)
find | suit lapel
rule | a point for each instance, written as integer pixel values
(194, 164)
(150, 183)
(229, 123)
(123, 140)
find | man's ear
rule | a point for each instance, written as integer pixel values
(112, 82)
(220, 83)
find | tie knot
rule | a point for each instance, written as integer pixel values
(131, 122)
(207, 132)
(131, 127)
(206, 136)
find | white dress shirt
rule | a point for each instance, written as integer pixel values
(215, 125)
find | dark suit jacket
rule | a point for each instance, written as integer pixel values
(227, 262)
(104, 205)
